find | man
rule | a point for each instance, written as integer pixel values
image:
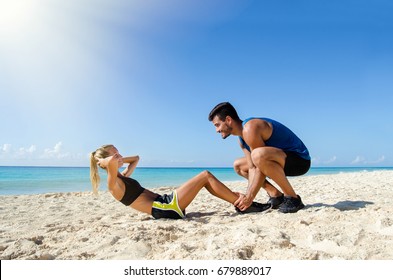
(271, 150)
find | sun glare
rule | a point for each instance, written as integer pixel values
(15, 15)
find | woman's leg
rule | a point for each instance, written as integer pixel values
(188, 191)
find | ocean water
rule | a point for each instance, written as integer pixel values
(17, 180)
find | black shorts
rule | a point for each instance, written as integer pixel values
(296, 165)
(167, 206)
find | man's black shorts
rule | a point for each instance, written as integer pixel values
(296, 165)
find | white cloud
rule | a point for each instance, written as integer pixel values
(6, 148)
(363, 160)
(317, 160)
(32, 155)
(55, 152)
(30, 150)
(331, 160)
(359, 159)
(379, 160)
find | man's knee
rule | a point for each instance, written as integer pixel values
(237, 166)
(263, 158)
(240, 165)
(259, 156)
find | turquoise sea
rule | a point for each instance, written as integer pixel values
(16, 180)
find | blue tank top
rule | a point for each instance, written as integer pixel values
(283, 138)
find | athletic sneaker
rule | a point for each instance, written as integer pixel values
(291, 204)
(276, 201)
(255, 207)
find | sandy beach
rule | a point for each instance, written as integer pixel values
(348, 216)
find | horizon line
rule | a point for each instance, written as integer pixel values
(68, 166)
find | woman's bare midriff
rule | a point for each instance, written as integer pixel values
(144, 202)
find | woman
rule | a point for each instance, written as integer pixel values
(129, 192)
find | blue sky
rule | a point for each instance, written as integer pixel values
(144, 75)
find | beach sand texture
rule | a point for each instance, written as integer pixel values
(347, 216)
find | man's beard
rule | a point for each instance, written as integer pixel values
(229, 130)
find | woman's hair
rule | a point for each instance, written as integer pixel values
(223, 110)
(100, 153)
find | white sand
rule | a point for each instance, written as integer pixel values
(347, 216)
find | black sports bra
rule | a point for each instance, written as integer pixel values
(132, 190)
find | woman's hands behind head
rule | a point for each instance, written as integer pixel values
(110, 161)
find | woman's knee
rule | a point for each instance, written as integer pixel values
(206, 174)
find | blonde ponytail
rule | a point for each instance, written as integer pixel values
(94, 176)
(100, 153)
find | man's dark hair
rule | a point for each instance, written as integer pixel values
(223, 110)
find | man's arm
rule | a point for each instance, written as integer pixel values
(255, 181)
(244, 201)
(252, 134)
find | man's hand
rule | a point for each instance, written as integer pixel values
(242, 202)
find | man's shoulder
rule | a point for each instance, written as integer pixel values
(255, 123)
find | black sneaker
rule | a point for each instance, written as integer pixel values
(291, 204)
(254, 207)
(276, 201)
